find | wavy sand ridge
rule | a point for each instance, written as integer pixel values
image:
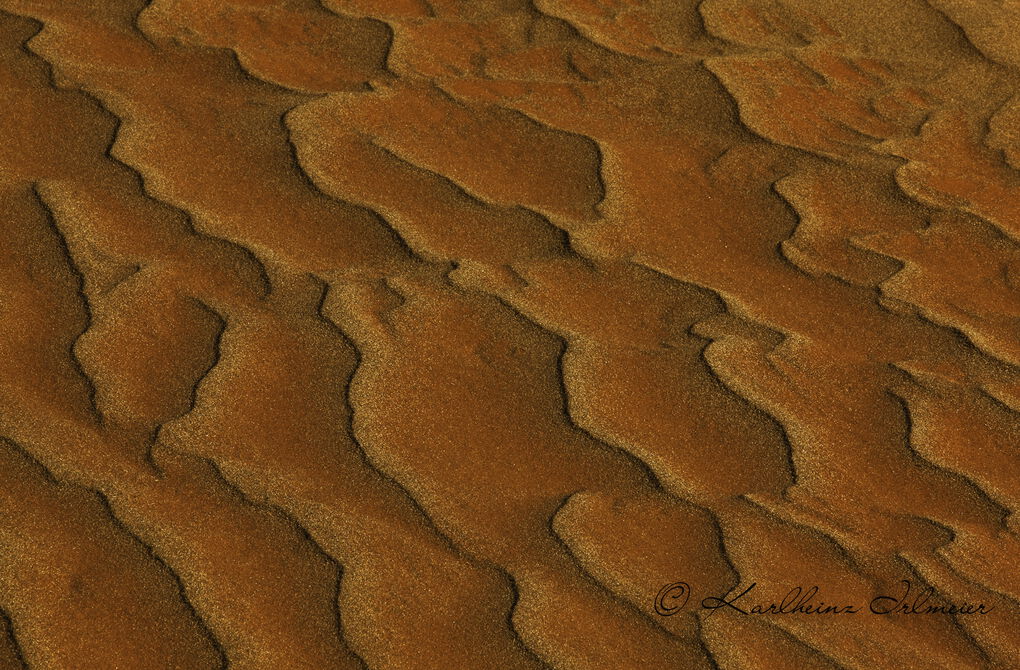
(443, 334)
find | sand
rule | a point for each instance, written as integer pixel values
(498, 334)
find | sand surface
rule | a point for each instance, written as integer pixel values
(499, 334)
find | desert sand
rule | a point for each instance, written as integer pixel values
(499, 334)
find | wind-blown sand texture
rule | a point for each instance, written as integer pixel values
(442, 334)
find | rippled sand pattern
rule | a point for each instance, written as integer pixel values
(441, 334)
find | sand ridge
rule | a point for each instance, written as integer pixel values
(444, 334)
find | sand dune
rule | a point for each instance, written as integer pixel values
(412, 334)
